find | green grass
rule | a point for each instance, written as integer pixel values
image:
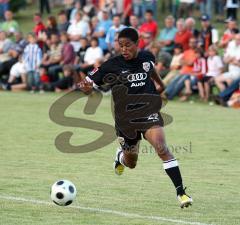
(30, 164)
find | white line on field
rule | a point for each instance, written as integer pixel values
(108, 211)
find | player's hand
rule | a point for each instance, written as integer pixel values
(85, 86)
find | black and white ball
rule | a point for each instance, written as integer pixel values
(63, 192)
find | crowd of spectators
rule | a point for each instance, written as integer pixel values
(58, 53)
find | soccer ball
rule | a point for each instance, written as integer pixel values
(63, 192)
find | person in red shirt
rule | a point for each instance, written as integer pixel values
(39, 26)
(183, 35)
(148, 27)
(127, 11)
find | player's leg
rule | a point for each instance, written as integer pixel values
(155, 136)
(126, 155)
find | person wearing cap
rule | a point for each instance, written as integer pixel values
(208, 34)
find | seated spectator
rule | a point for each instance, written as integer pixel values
(39, 28)
(101, 30)
(116, 27)
(134, 22)
(175, 65)
(18, 76)
(150, 26)
(183, 35)
(199, 71)
(229, 33)
(52, 27)
(82, 51)
(215, 68)
(10, 26)
(63, 22)
(93, 57)
(190, 24)
(67, 56)
(232, 58)
(167, 35)
(78, 29)
(208, 34)
(32, 58)
(77, 7)
(52, 57)
(115, 50)
(5, 46)
(188, 59)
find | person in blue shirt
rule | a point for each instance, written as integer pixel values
(167, 35)
(101, 30)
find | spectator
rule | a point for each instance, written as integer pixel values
(82, 51)
(183, 35)
(186, 8)
(32, 58)
(199, 71)
(149, 26)
(175, 8)
(93, 57)
(77, 8)
(150, 5)
(232, 7)
(18, 79)
(177, 84)
(44, 4)
(63, 22)
(208, 34)
(4, 6)
(127, 11)
(206, 7)
(116, 27)
(215, 68)
(134, 22)
(190, 24)
(137, 8)
(232, 58)
(5, 45)
(52, 57)
(10, 26)
(175, 65)
(77, 30)
(67, 56)
(100, 31)
(229, 33)
(52, 27)
(219, 6)
(167, 35)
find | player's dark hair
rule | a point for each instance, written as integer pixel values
(149, 11)
(129, 33)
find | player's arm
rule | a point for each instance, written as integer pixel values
(157, 81)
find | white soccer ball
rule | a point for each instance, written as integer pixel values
(63, 192)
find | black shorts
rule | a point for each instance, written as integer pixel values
(128, 143)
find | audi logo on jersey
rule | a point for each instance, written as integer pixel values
(136, 77)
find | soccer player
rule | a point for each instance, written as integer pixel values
(133, 71)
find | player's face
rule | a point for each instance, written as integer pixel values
(128, 48)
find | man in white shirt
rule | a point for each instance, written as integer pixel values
(78, 29)
(232, 58)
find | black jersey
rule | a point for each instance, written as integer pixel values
(131, 84)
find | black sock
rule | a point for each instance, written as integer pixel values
(172, 170)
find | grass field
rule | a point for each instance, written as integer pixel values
(30, 164)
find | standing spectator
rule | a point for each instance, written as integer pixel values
(167, 35)
(116, 27)
(175, 8)
(187, 61)
(100, 31)
(186, 8)
(44, 4)
(206, 7)
(183, 35)
(208, 34)
(4, 6)
(137, 8)
(32, 58)
(232, 58)
(232, 8)
(219, 9)
(150, 5)
(149, 26)
(63, 22)
(10, 26)
(78, 29)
